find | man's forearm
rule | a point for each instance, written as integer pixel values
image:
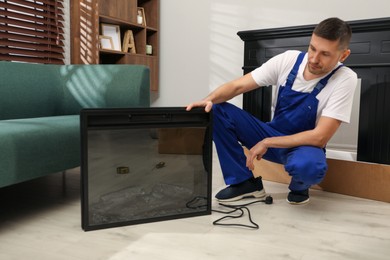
(231, 89)
(303, 138)
(318, 137)
(223, 93)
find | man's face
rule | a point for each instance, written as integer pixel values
(323, 55)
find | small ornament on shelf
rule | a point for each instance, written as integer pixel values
(149, 49)
(141, 16)
(128, 42)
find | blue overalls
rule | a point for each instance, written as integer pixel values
(295, 112)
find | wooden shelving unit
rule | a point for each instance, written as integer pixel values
(87, 17)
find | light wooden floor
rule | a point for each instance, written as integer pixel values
(41, 220)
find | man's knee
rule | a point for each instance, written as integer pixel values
(222, 115)
(307, 171)
(219, 108)
(219, 114)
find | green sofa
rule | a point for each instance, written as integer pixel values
(40, 106)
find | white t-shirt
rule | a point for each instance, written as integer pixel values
(335, 99)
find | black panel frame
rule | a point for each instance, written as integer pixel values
(96, 119)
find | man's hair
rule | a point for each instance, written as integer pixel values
(334, 29)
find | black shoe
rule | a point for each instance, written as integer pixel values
(298, 197)
(249, 188)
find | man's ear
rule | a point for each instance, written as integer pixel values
(345, 55)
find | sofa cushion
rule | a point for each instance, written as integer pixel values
(35, 147)
(29, 90)
(40, 90)
(103, 85)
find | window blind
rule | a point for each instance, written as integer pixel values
(32, 31)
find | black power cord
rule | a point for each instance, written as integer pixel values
(193, 204)
(240, 208)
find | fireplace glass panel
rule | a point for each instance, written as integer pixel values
(145, 172)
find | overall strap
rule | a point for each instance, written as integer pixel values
(322, 83)
(293, 73)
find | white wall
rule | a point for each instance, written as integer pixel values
(200, 48)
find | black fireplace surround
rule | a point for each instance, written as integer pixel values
(370, 59)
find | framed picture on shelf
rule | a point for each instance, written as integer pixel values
(106, 42)
(113, 31)
(141, 19)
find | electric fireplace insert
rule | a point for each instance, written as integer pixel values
(143, 165)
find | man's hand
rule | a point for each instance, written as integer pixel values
(203, 103)
(257, 152)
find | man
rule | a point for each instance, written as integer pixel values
(314, 95)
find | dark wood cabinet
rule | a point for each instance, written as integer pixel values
(87, 16)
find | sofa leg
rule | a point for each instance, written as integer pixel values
(64, 182)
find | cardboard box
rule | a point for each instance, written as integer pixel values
(187, 140)
(358, 179)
